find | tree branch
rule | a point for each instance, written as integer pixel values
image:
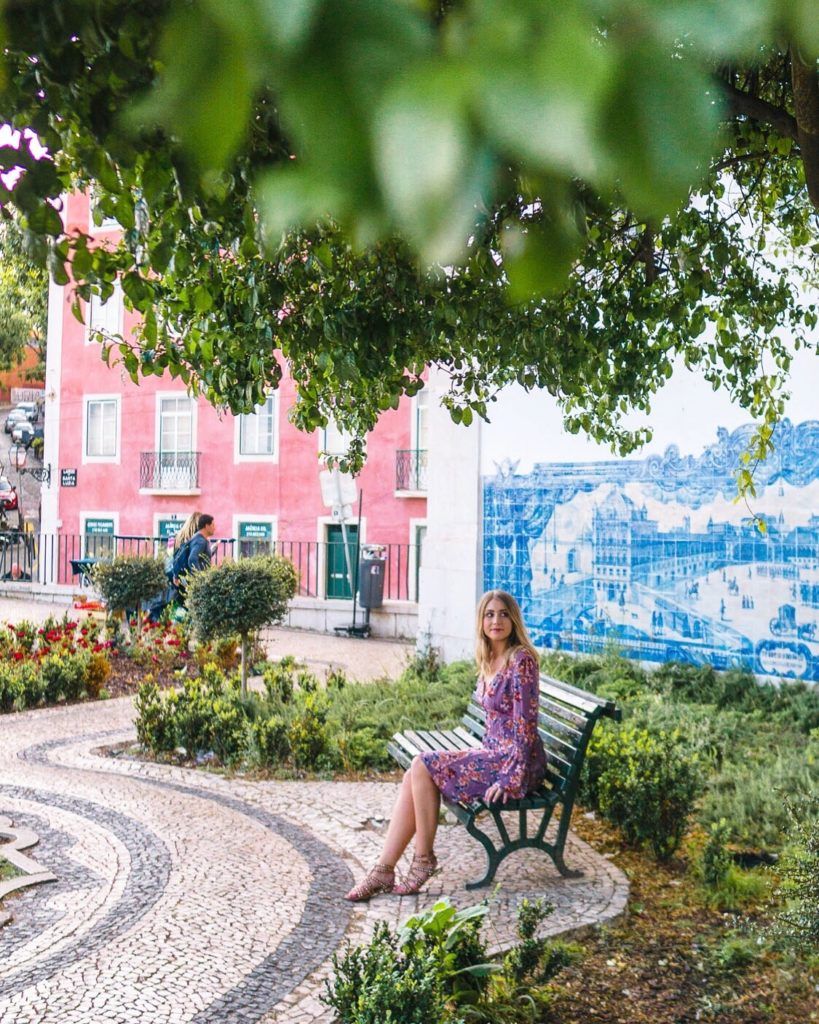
(759, 110)
(806, 106)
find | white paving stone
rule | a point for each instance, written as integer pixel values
(191, 897)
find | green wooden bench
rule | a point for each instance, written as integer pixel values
(567, 717)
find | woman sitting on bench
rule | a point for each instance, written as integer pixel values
(510, 764)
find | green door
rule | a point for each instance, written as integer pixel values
(338, 583)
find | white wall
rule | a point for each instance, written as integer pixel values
(450, 570)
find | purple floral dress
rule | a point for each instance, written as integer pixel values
(512, 754)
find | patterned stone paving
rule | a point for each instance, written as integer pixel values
(190, 897)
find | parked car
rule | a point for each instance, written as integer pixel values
(14, 417)
(31, 409)
(24, 433)
(8, 495)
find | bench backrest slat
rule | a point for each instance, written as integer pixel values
(572, 717)
(550, 689)
(588, 702)
(571, 736)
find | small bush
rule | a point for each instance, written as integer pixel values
(240, 598)
(63, 677)
(128, 580)
(155, 720)
(797, 923)
(270, 745)
(384, 982)
(97, 673)
(645, 783)
(716, 858)
(308, 735)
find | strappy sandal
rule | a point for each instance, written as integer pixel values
(380, 878)
(420, 872)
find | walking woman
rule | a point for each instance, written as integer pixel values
(510, 763)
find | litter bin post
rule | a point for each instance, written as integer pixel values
(371, 576)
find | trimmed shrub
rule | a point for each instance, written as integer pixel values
(645, 783)
(63, 677)
(128, 580)
(239, 598)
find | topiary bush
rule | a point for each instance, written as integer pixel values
(240, 598)
(128, 580)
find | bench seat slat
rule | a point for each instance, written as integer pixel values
(446, 740)
(419, 739)
(469, 738)
(434, 740)
(571, 696)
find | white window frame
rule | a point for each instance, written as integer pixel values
(85, 516)
(116, 297)
(414, 439)
(322, 522)
(160, 396)
(253, 517)
(92, 459)
(412, 569)
(239, 455)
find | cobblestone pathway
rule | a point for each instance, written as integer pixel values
(188, 897)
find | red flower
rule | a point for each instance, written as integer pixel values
(18, 655)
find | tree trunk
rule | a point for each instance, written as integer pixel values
(806, 107)
(244, 665)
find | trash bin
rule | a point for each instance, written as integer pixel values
(371, 568)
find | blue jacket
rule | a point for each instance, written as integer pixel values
(198, 553)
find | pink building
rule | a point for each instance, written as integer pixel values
(133, 461)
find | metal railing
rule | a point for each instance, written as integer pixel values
(169, 471)
(411, 469)
(47, 558)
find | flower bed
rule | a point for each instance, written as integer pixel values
(75, 658)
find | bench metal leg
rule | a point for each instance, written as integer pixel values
(495, 855)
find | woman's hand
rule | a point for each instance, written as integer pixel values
(495, 794)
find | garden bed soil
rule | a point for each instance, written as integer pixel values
(661, 964)
(127, 677)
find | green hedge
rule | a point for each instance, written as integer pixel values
(51, 680)
(296, 723)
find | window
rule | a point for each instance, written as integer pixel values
(101, 428)
(257, 430)
(105, 317)
(175, 466)
(255, 537)
(334, 441)
(99, 537)
(420, 419)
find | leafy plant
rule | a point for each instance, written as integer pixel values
(239, 598)
(386, 981)
(645, 783)
(797, 924)
(128, 580)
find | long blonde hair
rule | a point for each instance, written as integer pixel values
(518, 638)
(187, 529)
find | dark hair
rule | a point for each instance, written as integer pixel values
(204, 521)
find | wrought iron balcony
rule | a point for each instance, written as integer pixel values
(169, 471)
(411, 470)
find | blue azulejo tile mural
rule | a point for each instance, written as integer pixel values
(655, 557)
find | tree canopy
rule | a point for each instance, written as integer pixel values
(23, 301)
(571, 195)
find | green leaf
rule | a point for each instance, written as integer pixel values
(661, 126)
